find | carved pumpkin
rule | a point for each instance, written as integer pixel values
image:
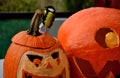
(34, 54)
(91, 39)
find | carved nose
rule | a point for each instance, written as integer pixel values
(49, 66)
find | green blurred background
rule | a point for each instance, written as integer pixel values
(32, 5)
(10, 26)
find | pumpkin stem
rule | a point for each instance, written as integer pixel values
(34, 26)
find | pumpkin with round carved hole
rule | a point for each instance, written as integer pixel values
(91, 40)
(35, 54)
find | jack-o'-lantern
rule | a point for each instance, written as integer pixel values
(91, 40)
(35, 54)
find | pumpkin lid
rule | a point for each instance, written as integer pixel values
(42, 41)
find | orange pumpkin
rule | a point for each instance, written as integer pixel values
(35, 54)
(91, 39)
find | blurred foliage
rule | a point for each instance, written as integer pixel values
(17, 5)
(75, 5)
(29, 5)
(32, 5)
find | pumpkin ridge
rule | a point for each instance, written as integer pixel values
(37, 41)
(35, 47)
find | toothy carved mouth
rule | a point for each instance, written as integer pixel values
(26, 74)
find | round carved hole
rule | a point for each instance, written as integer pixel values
(107, 38)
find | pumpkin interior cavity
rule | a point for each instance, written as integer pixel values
(26, 74)
(107, 38)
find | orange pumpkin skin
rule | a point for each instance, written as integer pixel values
(35, 54)
(22, 43)
(78, 36)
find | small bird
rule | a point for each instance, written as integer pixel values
(48, 17)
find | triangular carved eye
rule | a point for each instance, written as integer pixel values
(107, 38)
(32, 57)
(55, 55)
